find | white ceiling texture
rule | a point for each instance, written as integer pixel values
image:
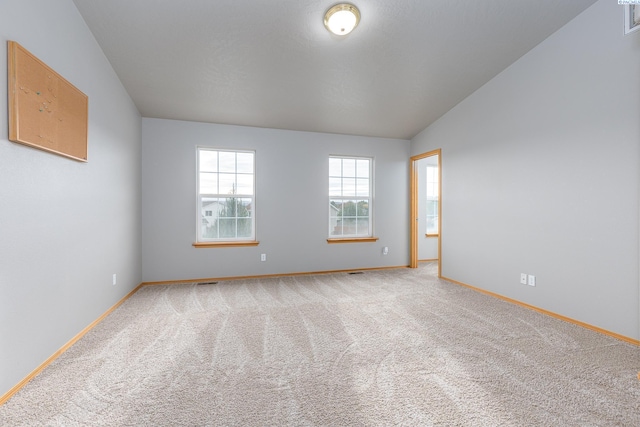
(272, 63)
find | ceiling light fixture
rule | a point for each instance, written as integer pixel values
(342, 18)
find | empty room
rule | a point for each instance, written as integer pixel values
(372, 213)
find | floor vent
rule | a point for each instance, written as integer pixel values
(356, 272)
(207, 283)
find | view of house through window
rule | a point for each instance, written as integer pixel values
(226, 195)
(350, 197)
(433, 199)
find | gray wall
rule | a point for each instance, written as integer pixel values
(541, 175)
(65, 226)
(291, 202)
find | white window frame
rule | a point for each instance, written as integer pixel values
(351, 237)
(202, 241)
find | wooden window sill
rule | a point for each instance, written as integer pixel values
(353, 240)
(225, 244)
(431, 235)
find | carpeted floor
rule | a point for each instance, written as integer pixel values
(383, 348)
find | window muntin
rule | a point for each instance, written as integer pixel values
(226, 195)
(433, 200)
(350, 197)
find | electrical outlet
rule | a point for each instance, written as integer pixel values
(263, 257)
(523, 278)
(385, 250)
(532, 280)
(115, 279)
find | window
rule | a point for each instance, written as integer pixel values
(350, 197)
(433, 200)
(226, 195)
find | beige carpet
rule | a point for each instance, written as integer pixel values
(382, 348)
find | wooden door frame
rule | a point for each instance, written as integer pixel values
(413, 172)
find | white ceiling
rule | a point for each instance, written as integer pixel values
(272, 63)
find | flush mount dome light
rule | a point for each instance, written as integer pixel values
(342, 18)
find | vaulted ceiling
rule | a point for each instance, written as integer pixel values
(272, 63)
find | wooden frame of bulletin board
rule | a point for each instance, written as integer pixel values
(45, 111)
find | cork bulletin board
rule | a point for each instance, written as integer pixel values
(45, 111)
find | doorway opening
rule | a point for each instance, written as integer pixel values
(426, 208)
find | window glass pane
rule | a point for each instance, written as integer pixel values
(432, 207)
(228, 207)
(335, 167)
(208, 183)
(432, 182)
(209, 204)
(210, 230)
(349, 225)
(244, 208)
(349, 167)
(334, 208)
(208, 223)
(335, 217)
(245, 163)
(362, 187)
(363, 208)
(208, 161)
(362, 226)
(348, 187)
(432, 190)
(335, 229)
(245, 184)
(227, 183)
(349, 208)
(244, 227)
(432, 225)
(335, 186)
(363, 168)
(227, 161)
(227, 227)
